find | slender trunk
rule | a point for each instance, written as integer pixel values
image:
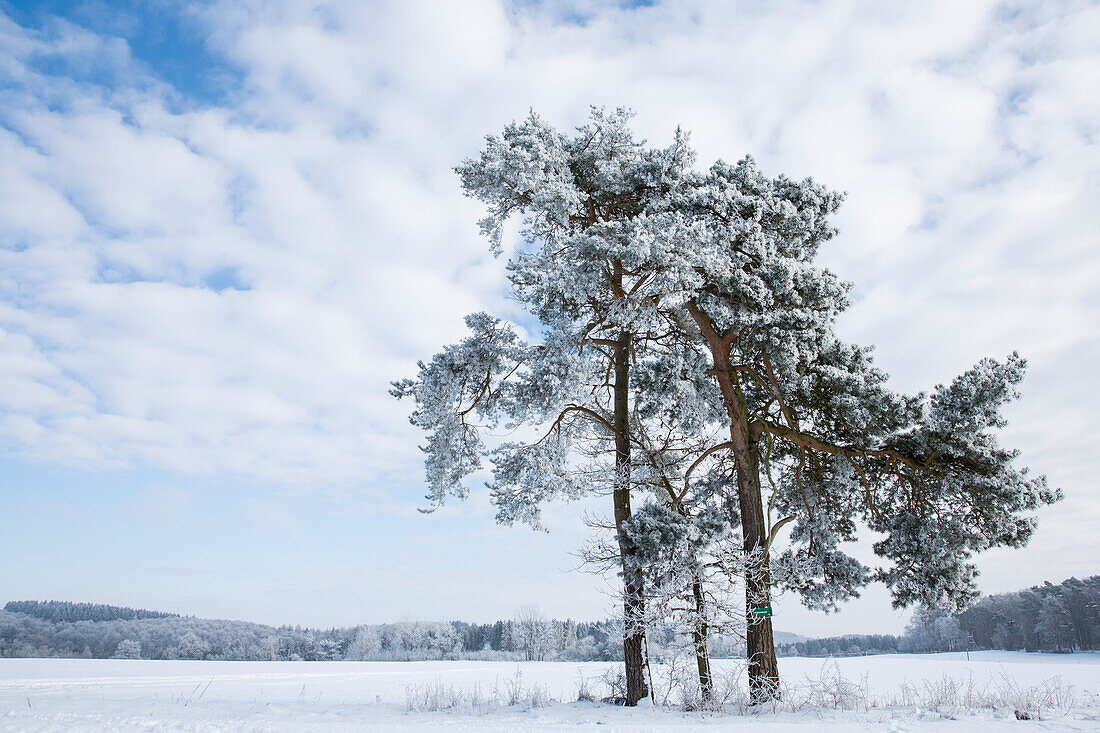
(699, 633)
(633, 602)
(699, 637)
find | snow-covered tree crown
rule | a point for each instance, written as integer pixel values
(711, 278)
(587, 204)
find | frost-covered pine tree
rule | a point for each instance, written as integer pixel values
(813, 416)
(630, 258)
(587, 271)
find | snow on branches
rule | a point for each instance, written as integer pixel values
(689, 355)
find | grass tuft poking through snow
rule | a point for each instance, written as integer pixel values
(438, 696)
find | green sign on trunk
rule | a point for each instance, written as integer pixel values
(762, 612)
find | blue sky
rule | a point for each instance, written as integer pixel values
(164, 38)
(226, 226)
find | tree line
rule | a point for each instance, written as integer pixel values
(69, 611)
(96, 631)
(849, 645)
(67, 630)
(1063, 617)
(1048, 618)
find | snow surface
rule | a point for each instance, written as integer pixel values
(135, 695)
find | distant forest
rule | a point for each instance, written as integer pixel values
(63, 611)
(1054, 618)
(1046, 618)
(84, 630)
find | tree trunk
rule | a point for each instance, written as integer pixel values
(699, 637)
(633, 602)
(763, 666)
(699, 634)
(760, 644)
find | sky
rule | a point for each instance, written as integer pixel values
(225, 227)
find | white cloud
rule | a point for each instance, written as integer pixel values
(965, 134)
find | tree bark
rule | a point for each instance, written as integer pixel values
(760, 643)
(633, 602)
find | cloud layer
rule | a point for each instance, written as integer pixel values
(227, 286)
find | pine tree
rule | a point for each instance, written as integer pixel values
(583, 201)
(631, 261)
(813, 416)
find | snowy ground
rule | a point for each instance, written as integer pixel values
(883, 693)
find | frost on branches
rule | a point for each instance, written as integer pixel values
(688, 357)
(587, 271)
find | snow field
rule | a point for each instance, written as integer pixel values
(893, 692)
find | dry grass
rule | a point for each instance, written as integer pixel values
(439, 697)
